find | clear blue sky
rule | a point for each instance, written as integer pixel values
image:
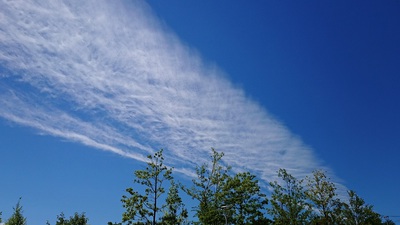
(87, 90)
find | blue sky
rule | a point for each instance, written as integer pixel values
(87, 90)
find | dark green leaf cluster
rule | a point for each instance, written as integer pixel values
(357, 212)
(17, 218)
(289, 204)
(317, 203)
(322, 194)
(175, 211)
(144, 208)
(76, 219)
(225, 197)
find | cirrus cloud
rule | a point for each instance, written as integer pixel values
(107, 75)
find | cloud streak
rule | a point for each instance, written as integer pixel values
(107, 75)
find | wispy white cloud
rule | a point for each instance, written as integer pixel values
(106, 74)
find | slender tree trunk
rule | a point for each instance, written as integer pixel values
(155, 199)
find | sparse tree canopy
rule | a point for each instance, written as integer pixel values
(388, 222)
(225, 198)
(145, 208)
(357, 212)
(77, 219)
(207, 190)
(174, 211)
(289, 204)
(17, 218)
(244, 196)
(322, 194)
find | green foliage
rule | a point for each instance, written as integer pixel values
(322, 194)
(288, 201)
(357, 212)
(143, 208)
(77, 219)
(207, 190)
(17, 218)
(388, 222)
(175, 211)
(243, 195)
(223, 198)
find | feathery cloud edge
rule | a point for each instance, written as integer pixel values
(108, 75)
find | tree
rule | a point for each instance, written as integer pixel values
(115, 223)
(207, 190)
(356, 212)
(225, 198)
(17, 218)
(77, 219)
(288, 201)
(175, 211)
(322, 193)
(388, 222)
(143, 208)
(243, 195)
